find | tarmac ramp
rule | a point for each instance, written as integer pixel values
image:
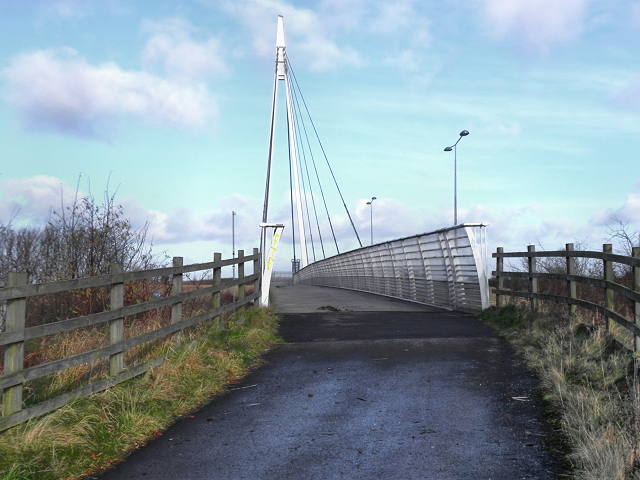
(367, 387)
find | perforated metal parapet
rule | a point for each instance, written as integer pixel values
(445, 268)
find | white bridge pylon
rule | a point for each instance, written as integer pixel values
(282, 74)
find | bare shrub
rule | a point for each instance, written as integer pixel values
(79, 240)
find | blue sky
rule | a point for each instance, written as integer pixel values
(169, 102)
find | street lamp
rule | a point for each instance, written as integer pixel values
(371, 203)
(463, 133)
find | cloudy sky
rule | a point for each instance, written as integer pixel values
(168, 103)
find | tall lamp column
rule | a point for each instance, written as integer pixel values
(371, 204)
(453, 147)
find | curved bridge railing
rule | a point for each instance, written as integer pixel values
(445, 268)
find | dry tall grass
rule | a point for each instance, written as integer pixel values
(92, 433)
(590, 382)
(67, 344)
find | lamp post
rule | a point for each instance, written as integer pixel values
(453, 147)
(371, 203)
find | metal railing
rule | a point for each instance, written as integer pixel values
(445, 268)
(279, 279)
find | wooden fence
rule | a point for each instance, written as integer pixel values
(15, 375)
(609, 284)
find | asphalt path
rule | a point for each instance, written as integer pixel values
(367, 387)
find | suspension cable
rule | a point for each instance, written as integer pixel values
(304, 191)
(300, 121)
(313, 199)
(324, 153)
(293, 225)
(324, 200)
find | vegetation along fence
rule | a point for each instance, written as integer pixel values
(600, 282)
(118, 358)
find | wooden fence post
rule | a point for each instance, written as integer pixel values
(176, 289)
(499, 278)
(16, 314)
(217, 279)
(608, 277)
(240, 274)
(257, 282)
(636, 305)
(571, 285)
(241, 285)
(533, 282)
(116, 327)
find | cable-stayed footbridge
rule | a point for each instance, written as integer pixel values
(445, 268)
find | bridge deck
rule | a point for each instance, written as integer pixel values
(370, 387)
(310, 299)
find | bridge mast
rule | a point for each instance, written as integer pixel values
(282, 73)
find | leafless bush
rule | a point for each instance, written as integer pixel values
(79, 240)
(624, 239)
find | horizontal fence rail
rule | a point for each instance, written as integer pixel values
(15, 376)
(445, 268)
(625, 313)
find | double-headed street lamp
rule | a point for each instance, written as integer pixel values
(371, 203)
(463, 133)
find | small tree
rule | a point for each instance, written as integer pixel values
(79, 240)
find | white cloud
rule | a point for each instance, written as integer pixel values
(313, 37)
(32, 199)
(629, 211)
(406, 60)
(401, 20)
(69, 8)
(179, 56)
(317, 37)
(59, 90)
(185, 225)
(393, 16)
(535, 24)
(343, 14)
(628, 96)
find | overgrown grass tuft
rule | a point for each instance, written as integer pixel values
(92, 433)
(591, 384)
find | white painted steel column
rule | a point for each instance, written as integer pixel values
(267, 268)
(293, 149)
(279, 75)
(480, 256)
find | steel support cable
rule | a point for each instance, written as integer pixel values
(306, 166)
(313, 200)
(300, 121)
(293, 224)
(324, 200)
(325, 157)
(296, 129)
(297, 174)
(304, 191)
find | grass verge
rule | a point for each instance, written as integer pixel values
(591, 385)
(92, 433)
